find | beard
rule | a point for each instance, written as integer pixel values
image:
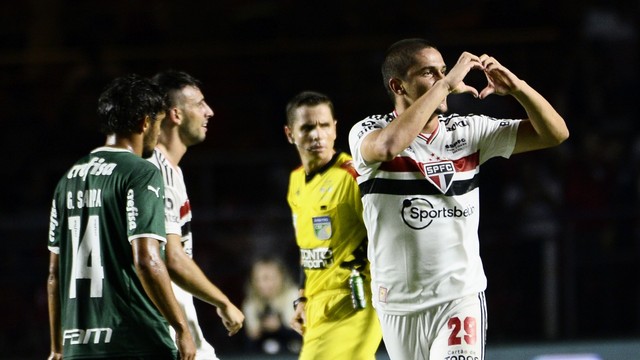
(191, 136)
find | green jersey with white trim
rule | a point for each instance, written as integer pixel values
(106, 200)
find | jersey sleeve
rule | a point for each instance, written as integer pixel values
(145, 205)
(357, 134)
(54, 225)
(291, 199)
(496, 137)
(353, 194)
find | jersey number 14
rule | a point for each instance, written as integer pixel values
(86, 263)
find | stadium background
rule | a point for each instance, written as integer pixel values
(559, 228)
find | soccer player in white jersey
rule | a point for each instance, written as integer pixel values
(419, 183)
(186, 125)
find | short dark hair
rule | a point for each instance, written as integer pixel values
(306, 98)
(126, 101)
(399, 58)
(172, 81)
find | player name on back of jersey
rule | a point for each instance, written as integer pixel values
(88, 198)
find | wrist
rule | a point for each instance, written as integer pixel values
(299, 300)
(445, 85)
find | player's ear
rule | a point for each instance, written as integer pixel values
(175, 115)
(396, 86)
(288, 134)
(144, 124)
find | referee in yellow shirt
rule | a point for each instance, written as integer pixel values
(333, 314)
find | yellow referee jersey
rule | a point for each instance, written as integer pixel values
(327, 218)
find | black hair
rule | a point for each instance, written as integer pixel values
(399, 57)
(172, 81)
(126, 101)
(306, 98)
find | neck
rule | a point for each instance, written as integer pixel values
(132, 142)
(172, 147)
(313, 164)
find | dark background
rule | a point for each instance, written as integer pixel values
(559, 227)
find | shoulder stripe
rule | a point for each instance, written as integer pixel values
(165, 168)
(348, 167)
(168, 174)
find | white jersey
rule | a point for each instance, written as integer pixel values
(421, 210)
(178, 221)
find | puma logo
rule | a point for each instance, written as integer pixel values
(155, 190)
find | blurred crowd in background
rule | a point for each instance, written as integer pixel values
(560, 229)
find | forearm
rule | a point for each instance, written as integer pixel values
(385, 144)
(549, 128)
(156, 282)
(53, 298)
(188, 275)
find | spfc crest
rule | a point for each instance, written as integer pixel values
(440, 174)
(322, 227)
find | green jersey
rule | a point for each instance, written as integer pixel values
(105, 201)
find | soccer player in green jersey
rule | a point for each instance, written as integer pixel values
(327, 216)
(109, 291)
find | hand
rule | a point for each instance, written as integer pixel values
(232, 318)
(499, 79)
(186, 346)
(299, 319)
(55, 356)
(456, 75)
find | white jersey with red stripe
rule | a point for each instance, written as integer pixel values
(421, 210)
(178, 221)
(177, 206)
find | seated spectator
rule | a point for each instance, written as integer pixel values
(267, 308)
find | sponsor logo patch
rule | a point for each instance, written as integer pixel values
(456, 146)
(83, 337)
(322, 227)
(419, 213)
(317, 258)
(382, 294)
(154, 190)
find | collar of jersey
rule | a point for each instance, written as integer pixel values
(308, 177)
(110, 148)
(428, 138)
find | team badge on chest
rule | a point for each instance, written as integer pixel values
(322, 227)
(439, 174)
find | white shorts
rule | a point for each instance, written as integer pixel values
(454, 330)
